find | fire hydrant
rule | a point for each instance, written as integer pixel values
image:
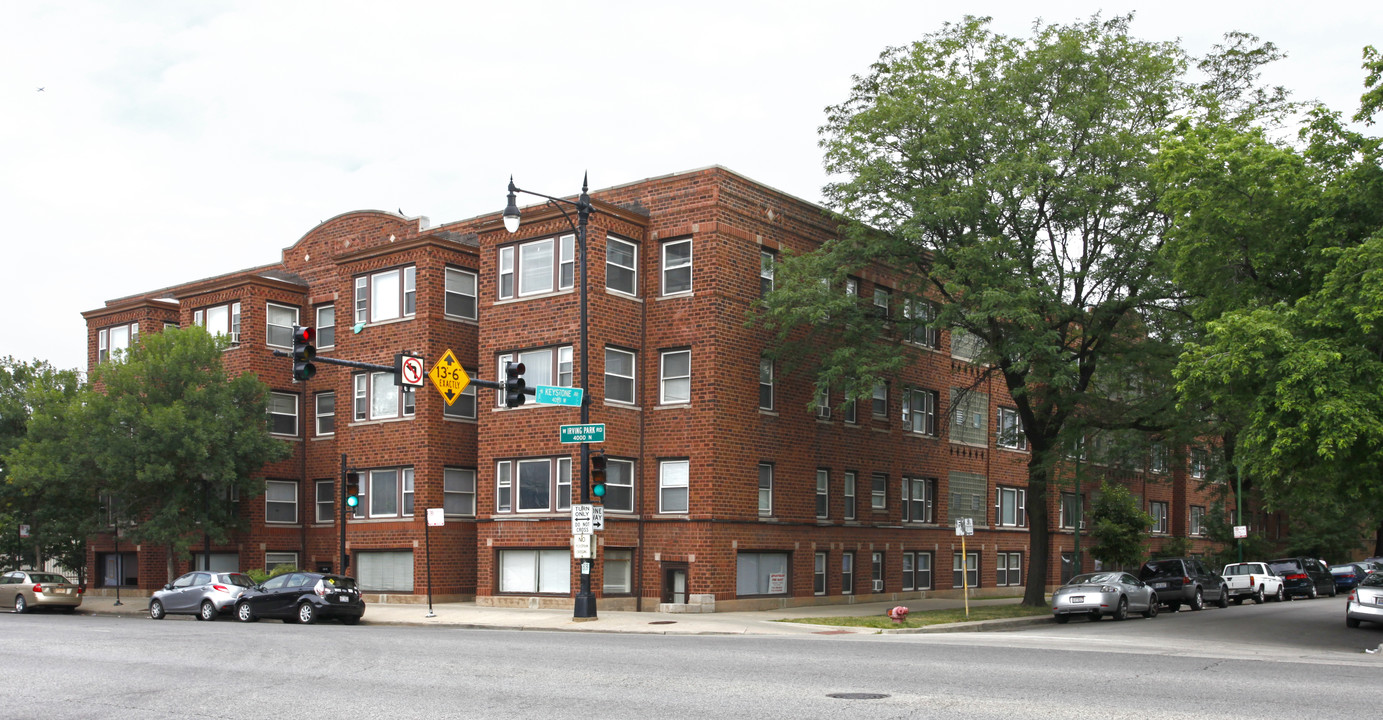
(898, 614)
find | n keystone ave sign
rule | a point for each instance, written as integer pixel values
(449, 377)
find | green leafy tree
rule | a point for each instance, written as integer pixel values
(174, 439)
(1119, 527)
(32, 394)
(1282, 248)
(1008, 178)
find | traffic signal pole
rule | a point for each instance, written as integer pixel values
(341, 566)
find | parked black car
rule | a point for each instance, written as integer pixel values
(1304, 577)
(302, 597)
(1184, 581)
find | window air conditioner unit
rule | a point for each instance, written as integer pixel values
(878, 586)
(823, 412)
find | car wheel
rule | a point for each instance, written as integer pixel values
(307, 613)
(208, 612)
(1314, 592)
(1061, 619)
(1258, 596)
(1121, 610)
(1281, 595)
(1223, 602)
(156, 610)
(1334, 591)
(1351, 622)
(243, 613)
(1198, 602)
(20, 605)
(350, 620)
(1151, 612)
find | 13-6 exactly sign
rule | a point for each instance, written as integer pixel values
(583, 433)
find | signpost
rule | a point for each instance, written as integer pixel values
(449, 377)
(436, 517)
(965, 527)
(583, 433)
(553, 395)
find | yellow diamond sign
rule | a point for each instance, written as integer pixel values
(449, 377)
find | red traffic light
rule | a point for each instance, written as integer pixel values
(304, 334)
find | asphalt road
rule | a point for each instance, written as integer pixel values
(1242, 662)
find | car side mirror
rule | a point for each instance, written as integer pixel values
(169, 586)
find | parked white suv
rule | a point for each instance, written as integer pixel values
(1252, 580)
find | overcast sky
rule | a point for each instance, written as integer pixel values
(150, 143)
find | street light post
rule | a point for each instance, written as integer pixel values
(585, 606)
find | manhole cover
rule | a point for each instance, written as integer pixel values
(857, 696)
(663, 622)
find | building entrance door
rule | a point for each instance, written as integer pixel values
(675, 584)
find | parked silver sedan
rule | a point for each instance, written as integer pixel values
(202, 593)
(1366, 601)
(1095, 595)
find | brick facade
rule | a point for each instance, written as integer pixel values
(720, 432)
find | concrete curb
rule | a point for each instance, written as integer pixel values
(998, 625)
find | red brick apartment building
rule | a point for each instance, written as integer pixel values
(730, 487)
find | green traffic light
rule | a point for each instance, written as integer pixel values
(598, 491)
(352, 501)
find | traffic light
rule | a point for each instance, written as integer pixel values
(514, 384)
(598, 475)
(351, 491)
(303, 352)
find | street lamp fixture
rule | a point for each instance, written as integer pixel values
(584, 607)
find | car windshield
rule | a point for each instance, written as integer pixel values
(1282, 567)
(1373, 580)
(1093, 578)
(238, 579)
(47, 578)
(1153, 568)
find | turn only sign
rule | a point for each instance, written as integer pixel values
(449, 377)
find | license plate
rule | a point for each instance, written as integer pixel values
(1076, 600)
(343, 598)
(1160, 586)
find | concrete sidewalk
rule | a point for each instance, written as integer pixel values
(472, 616)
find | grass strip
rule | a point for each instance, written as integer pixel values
(923, 618)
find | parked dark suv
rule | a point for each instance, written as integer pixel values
(302, 597)
(1184, 581)
(1304, 577)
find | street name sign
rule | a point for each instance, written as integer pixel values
(449, 377)
(583, 433)
(553, 395)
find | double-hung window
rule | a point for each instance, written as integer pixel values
(279, 321)
(386, 295)
(847, 573)
(674, 376)
(882, 298)
(677, 266)
(919, 411)
(1197, 520)
(621, 266)
(458, 491)
(280, 501)
(619, 375)
(1157, 458)
(1010, 506)
(542, 366)
(111, 342)
(878, 495)
(1158, 511)
(619, 486)
(766, 262)
(1008, 568)
(326, 501)
(1070, 511)
(283, 414)
(965, 571)
(823, 402)
(879, 403)
(917, 571)
(819, 573)
(460, 292)
(823, 497)
(326, 326)
(673, 486)
(538, 484)
(325, 413)
(919, 500)
(378, 398)
(919, 314)
(538, 266)
(1010, 428)
(765, 383)
(220, 320)
(391, 492)
(848, 493)
(1198, 464)
(765, 489)
(463, 407)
